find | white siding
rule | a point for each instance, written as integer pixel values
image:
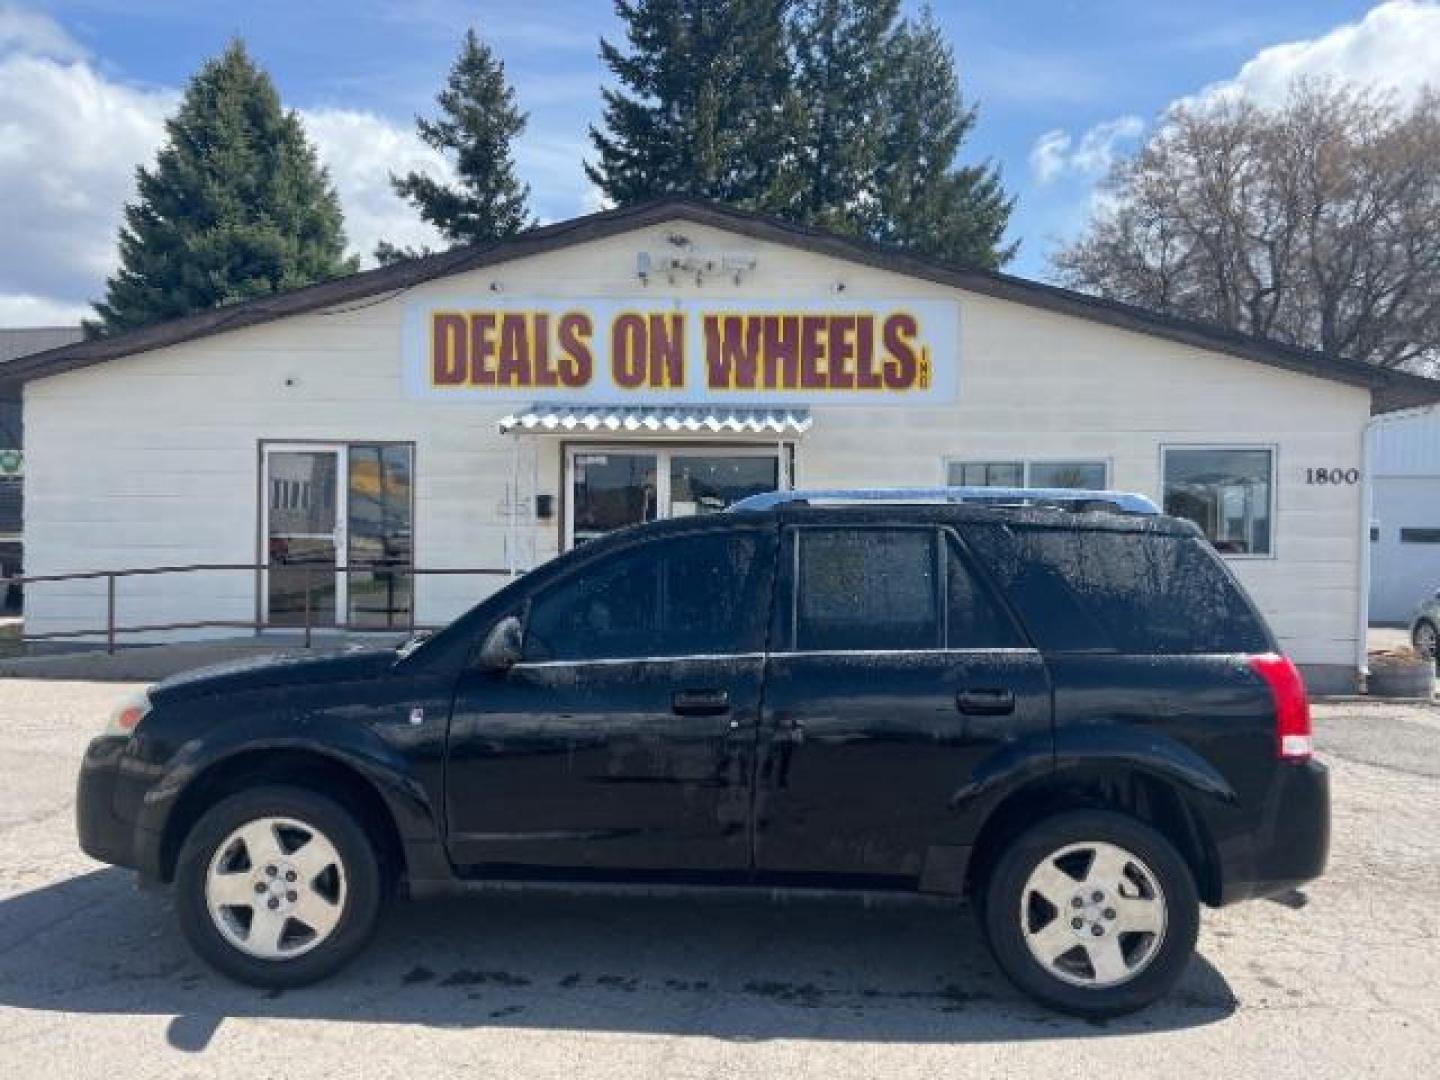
(153, 459)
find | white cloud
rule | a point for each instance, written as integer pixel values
(361, 150)
(25, 310)
(71, 138)
(36, 34)
(69, 144)
(1056, 152)
(1395, 47)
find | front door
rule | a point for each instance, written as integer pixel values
(304, 534)
(895, 673)
(337, 535)
(625, 737)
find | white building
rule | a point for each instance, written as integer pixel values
(1404, 456)
(489, 407)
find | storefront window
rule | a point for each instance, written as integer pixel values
(1036, 474)
(1224, 490)
(614, 488)
(987, 474)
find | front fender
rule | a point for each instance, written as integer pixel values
(393, 772)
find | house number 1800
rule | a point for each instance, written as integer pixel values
(1332, 476)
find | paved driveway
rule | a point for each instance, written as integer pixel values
(94, 981)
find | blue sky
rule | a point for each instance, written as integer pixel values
(1062, 87)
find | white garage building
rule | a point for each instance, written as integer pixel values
(1405, 514)
(488, 407)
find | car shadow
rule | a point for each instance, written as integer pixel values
(732, 967)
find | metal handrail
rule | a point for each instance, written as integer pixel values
(310, 571)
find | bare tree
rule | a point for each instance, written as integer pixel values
(1316, 223)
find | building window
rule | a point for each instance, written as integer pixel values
(1420, 536)
(615, 487)
(1036, 474)
(1227, 491)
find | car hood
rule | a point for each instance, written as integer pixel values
(269, 672)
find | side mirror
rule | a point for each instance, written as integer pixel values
(502, 647)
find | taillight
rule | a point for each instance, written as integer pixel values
(1292, 705)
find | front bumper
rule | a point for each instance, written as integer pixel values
(104, 834)
(1292, 844)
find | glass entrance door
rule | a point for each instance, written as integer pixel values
(379, 587)
(610, 490)
(613, 488)
(304, 534)
(337, 535)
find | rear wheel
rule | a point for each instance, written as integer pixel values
(277, 886)
(1092, 913)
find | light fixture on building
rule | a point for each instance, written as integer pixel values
(689, 263)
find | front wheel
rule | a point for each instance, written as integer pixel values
(1092, 913)
(277, 886)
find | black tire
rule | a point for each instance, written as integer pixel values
(1002, 916)
(360, 909)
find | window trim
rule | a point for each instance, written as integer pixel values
(1025, 464)
(1273, 505)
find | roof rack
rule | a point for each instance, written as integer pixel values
(1075, 499)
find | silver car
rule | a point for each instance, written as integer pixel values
(1425, 627)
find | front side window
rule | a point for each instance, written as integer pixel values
(1090, 475)
(685, 596)
(861, 589)
(1226, 491)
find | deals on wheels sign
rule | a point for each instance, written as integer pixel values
(640, 351)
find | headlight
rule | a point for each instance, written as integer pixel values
(128, 713)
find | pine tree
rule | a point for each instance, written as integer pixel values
(842, 58)
(478, 122)
(236, 205)
(704, 107)
(923, 200)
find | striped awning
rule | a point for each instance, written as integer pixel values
(655, 420)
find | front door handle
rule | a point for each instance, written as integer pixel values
(700, 702)
(985, 702)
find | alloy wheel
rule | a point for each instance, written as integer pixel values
(276, 888)
(1093, 914)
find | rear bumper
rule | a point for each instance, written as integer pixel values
(1292, 843)
(104, 834)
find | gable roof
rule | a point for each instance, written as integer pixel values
(1391, 390)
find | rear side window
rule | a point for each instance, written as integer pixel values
(1131, 592)
(973, 620)
(677, 597)
(866, 589)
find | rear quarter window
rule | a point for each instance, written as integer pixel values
(1131, 592)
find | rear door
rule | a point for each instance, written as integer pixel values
(895, 673)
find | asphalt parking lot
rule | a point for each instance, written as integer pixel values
(1341, 981)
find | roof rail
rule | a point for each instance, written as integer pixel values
(1076, 499)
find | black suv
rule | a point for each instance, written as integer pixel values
(1073, 716)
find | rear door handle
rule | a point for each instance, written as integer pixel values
(985, 702)
(700, 702)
